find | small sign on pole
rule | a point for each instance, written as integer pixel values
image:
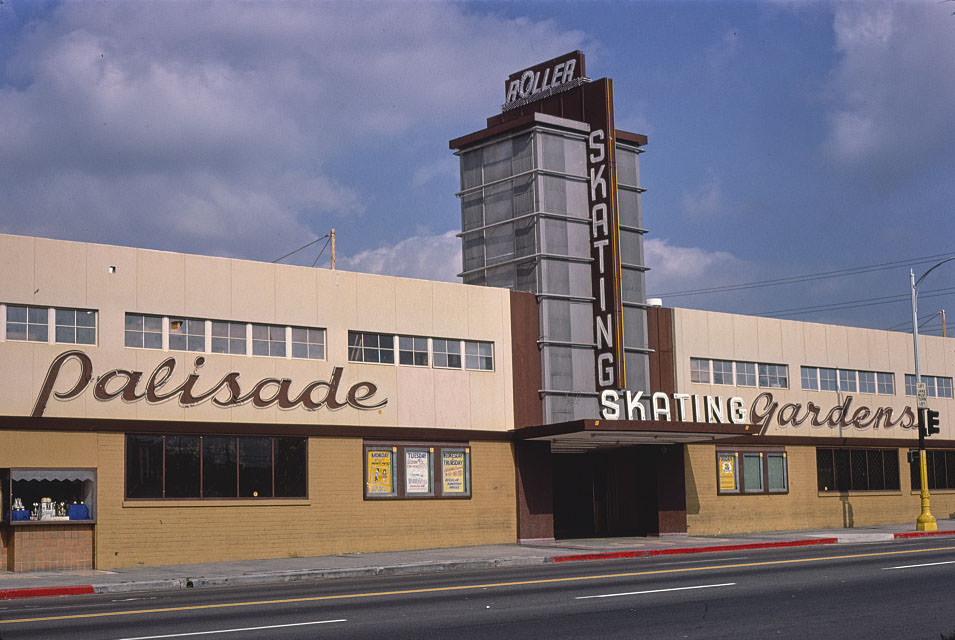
(920, 392)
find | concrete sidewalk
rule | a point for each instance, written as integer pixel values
(185, 576)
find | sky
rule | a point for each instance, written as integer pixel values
(786, 138)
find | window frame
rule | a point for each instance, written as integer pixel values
(839, 487)
(357, 349)
(481, 358)
(738, 455)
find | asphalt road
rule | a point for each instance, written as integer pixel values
(876, 590)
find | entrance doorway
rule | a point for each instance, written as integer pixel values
(616, 492)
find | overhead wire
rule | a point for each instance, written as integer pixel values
(304, 246)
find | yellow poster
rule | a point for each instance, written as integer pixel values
(380, 479)
(728, 472)
(453, 476)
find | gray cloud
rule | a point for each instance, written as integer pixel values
(224, 127)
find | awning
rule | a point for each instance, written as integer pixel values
(73, 475)
(585, 435)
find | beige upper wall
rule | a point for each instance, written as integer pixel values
(723, 336)
(55, 273)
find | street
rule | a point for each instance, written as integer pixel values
(875, 590)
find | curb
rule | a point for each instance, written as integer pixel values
(35, 592)
(922, 534)
(645, 553)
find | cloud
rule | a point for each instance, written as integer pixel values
(235, 128)
(706, 201)
(674, 268)
(433, 257)
(893, 88)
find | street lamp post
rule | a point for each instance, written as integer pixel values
(926, 521)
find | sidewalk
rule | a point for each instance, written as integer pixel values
(185, 576)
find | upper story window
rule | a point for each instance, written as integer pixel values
(308, 343)
(478, 355)
(187, 334)
(706, 371)
(48, 324)
(935, 386)
(229, 337)
(413, 351)
(364, 346)
(143, 331)
(847, 380)
(268, 340)
(447, 353)
(220, 336)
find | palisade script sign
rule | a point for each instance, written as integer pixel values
(764, 411)
(133, 386)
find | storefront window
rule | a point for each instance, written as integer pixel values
(857, 469)
(51, 494)
(211, 467)
(414, 470)
(941, 470)
(763, 471)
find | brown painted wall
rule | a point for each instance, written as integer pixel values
(535, 499)
(660, 339)
(526, 359)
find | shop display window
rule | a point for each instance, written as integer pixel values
(49, 494)
(416, 470)
(749, 470)
(940, 465)
(215, 467)
(841, 469)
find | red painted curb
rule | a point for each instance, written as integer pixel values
(36, 592)
(922, 534)
(645, 553)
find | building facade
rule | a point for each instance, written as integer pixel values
(162, 408)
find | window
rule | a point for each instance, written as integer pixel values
(75, 326)
(478, 355)
(142, 331)
(847, 380)
(268, 340)
(722, 372)
(416, 470)
(747, 470)
(773, 376)
(447, 353)
(941, 470)
(308, 343)
(27, 323)
(867, 382)
(810, 378)
(935, 386)
(371, 347)
(827, 380)
(857, 469)
(413, 351)
(211, 467)
(746, 374)
(699, 370)
(187, 334)
(886, 383)
(228, 337)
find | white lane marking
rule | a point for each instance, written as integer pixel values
(912, 566)
(638, 593)
(206, 633)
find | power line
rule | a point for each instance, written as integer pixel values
(304, 246)
(809, 277)
(855, 304)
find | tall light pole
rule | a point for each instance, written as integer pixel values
(926, 521)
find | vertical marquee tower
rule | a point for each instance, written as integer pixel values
(550, 204)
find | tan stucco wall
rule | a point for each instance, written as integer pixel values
(804, 507)
(723, 336)
(56, 273)
(334, 519)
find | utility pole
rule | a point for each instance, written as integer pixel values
(332, 242)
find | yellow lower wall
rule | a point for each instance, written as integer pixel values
(804, 507)
(335, 518)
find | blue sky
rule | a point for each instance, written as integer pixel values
(785, 138)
